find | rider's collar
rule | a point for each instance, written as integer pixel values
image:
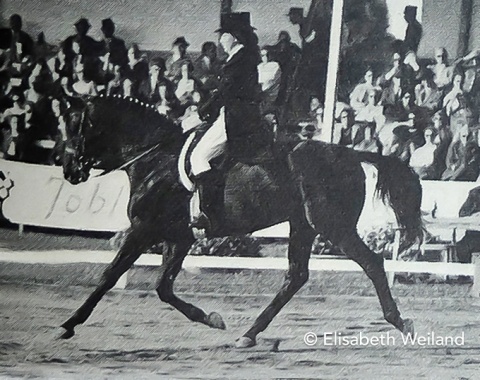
(234, 51)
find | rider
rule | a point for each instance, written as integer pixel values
(237, 118)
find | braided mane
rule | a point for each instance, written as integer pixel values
(122, 127)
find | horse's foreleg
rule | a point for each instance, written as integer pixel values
(132, 248)
(299, 249)
(372, 264)
(172, 267)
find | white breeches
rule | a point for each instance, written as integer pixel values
(211, 145)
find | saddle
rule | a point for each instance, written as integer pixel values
(208, 190)
(220, 164)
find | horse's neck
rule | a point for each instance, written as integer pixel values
(155, 167)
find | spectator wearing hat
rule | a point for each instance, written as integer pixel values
(315, 34)
(113, 49)
(177, 59)
(157, 89)
(18, 42)
(414, 31)
(88, 46)
(287, 54)
(83, 49)
(43, 50)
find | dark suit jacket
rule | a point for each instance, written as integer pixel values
(117, 49)
(413, 36)
(144, 91)
(239, 81)
(6, 39)
(240, 95)
(88, 46)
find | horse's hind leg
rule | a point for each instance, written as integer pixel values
(134, 245)
(372, 264)
(172, 267)
(299, 249)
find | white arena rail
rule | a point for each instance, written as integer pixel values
(327, 263)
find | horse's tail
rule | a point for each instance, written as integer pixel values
(399, 186)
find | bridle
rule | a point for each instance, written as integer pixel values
(129, 162)
(79, 150)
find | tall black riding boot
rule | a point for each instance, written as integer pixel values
(211, 191)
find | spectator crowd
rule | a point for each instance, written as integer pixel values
(38, 78)
(424, 111)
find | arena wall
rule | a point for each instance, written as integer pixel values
(442, 22)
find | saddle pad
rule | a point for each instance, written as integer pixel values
(184, 163)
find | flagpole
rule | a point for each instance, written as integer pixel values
(332, 71)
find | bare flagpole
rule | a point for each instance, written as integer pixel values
(332, 73)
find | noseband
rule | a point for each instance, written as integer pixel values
(79, 136)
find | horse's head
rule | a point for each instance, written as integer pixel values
(109, 132)
(76, 164)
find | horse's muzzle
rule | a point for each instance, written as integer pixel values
(76, 177)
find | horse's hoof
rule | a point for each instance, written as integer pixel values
(408, 327)
(215, 321)
(245, 342)
(63, 333)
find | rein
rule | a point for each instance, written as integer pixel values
(129, 162)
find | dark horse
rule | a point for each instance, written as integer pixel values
(318, 188)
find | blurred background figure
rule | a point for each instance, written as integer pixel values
(269, 77)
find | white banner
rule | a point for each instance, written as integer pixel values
(40, 196)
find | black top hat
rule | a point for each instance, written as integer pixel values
(234, 22)
(181, 41)
(295, 11)
(83, 22)
(108, 23)
(410, 9)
